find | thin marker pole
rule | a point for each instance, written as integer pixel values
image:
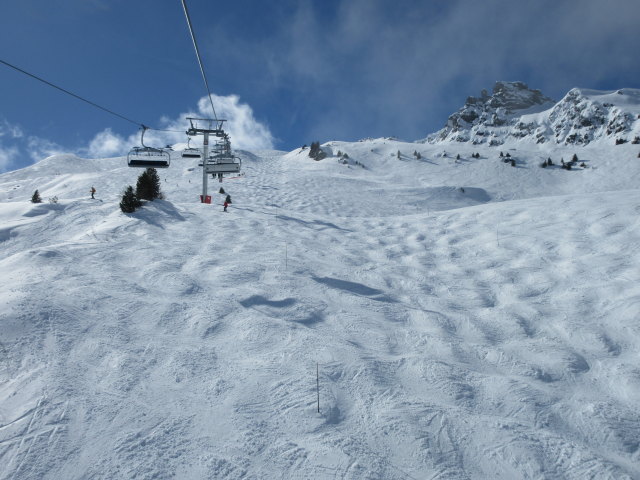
(318, 384)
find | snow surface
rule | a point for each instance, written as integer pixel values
(468, 319)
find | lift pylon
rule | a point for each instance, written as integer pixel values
(220, 159)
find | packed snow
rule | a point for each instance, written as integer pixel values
(467, 318)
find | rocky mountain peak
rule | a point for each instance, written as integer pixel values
(508, 99)
(511, 96)
(513, 110)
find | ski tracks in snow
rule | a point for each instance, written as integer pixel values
(449, 344)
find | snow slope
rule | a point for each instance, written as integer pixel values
(469, 319)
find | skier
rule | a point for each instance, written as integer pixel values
(93, 191)
(226, 204)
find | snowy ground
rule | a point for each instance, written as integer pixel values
(469, 319)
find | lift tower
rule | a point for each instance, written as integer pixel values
(206, 127)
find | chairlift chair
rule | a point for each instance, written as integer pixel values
(191, 152)
(148, 157)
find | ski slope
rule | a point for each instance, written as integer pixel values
(468, 319)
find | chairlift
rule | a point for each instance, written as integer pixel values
(191, 152)
(148, 157)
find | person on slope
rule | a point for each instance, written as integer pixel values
(93, 192)
(227, 202)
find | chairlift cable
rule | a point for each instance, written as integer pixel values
(142, 125)
(195, 44)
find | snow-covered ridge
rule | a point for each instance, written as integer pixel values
(516, 112)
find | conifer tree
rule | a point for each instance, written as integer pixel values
(36, 197)
(313, 150)
(316, 152)
(148, 186)
(129, 201)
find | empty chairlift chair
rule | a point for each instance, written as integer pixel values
(148, 157)
(191, 152)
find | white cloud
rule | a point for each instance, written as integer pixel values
(9, 130)
(245, 131)
(107, 144)
(7, 156)
(40, 148)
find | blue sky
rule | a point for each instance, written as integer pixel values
(290, 72)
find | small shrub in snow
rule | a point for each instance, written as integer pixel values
(620, 141)
(221, 190)
(53, 200)
(129, 201)
(636, 141)
(574, 159)
(513, 163)
(35, 198)
(544, 164)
